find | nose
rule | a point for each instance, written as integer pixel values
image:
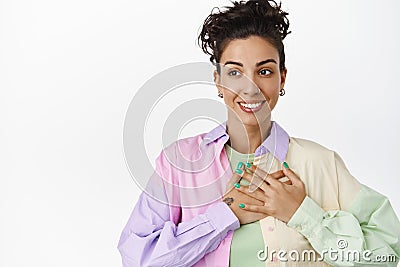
(249, 87)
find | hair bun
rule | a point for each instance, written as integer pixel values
(274, 14)
(263, 18)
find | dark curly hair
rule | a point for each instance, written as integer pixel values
(263, 18)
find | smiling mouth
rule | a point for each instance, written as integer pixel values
(251, 107)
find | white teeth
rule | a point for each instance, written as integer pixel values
(252, 106)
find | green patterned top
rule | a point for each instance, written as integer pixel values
(247, 240)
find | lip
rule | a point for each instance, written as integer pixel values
(249, 110)
(252, 101)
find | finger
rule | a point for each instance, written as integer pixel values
(278, 176)
(263, 174)
(291, 175)
(246, 167)
(255, 182)
(236, 177)
(283, 180)
(258, 182)
(238, 171)
(257, 194)
(247, 176)
(256, 169)
(254, 208)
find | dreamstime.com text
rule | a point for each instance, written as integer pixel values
(333, 255)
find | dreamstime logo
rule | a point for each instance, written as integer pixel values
(342, 244)
(342, 254)
(176, 157)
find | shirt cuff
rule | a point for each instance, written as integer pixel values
(222, 218)
(307, 217)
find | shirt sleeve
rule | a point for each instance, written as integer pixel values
(366, 232)
(151, 238)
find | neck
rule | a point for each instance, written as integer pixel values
(246, 138)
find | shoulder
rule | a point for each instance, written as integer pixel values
(310, 150)
(309, 145)
(188, 148)
(187, 143)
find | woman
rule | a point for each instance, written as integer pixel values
(246, 189)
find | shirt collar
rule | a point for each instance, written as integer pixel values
(277, 143)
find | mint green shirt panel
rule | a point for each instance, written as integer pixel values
(247, 240)
(369, 224)
(358, 229)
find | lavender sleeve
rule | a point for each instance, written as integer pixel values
(151, 238)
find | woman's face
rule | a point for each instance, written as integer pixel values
(250, 79)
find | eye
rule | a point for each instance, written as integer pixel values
(265, 72)
(234, 73)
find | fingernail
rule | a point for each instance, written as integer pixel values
(237, 185)
(239, 171)
(248, 164)
(240, 165)
(241, 205)
(285, 165)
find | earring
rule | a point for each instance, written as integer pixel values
(220, 94)
(282, 92)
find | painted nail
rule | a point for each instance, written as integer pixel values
(239, 171)
(285, 165)
(240, 165)
(237, 185)
(241, 205)
(248, 164)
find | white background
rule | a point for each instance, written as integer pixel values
(69, 69)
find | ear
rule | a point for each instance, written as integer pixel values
(283, 77)
(217, 80)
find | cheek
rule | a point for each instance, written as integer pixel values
(229, 97)
(270, 92)
(272, 103)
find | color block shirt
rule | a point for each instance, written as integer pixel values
(179, 220)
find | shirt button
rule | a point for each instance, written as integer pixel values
(270, 228)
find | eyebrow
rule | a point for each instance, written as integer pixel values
(257, 65)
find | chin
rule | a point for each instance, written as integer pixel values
(254, 121)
